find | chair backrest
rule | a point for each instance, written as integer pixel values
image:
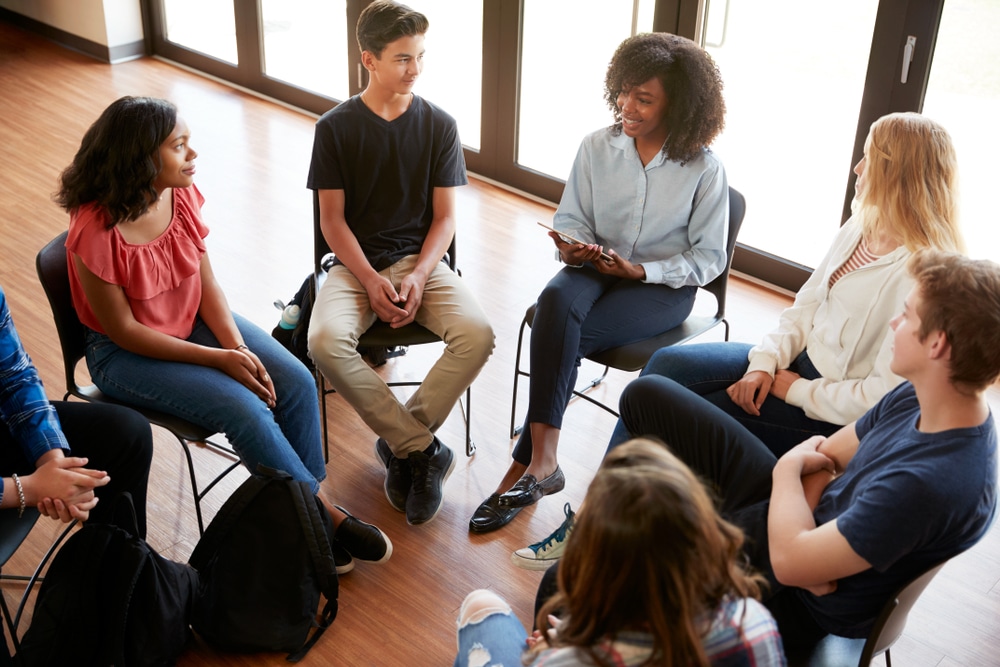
(13, 530)
(891, 621)
(321, 249)
(53, 273)
(717, 286)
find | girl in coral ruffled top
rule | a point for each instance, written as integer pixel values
(160, 333)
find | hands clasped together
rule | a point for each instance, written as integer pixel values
(62, 487)
(246, 368)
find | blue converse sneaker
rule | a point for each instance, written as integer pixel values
(541, 555)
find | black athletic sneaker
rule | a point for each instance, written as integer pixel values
(397, 475)
(429, 469)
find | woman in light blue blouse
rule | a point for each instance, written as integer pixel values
(652, 205)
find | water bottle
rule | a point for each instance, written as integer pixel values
(289, 317)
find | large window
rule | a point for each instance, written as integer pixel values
(792, 113)
(964, 95)
(524, 79)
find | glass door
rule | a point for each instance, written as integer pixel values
(300, 47)
(205, 26)
(794, 74)
(963, 94)
(561, 92)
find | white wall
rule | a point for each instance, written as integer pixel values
(123, 19)
(108, 22)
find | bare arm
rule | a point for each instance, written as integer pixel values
(802, 553)
(111, 307)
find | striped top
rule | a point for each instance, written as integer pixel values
(858, 258)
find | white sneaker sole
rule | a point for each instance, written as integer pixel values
(532, 563)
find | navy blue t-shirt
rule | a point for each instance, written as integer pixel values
(388, 171)
(907, 501)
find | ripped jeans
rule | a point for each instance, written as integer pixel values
(489, 635)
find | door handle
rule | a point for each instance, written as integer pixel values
(911, 45)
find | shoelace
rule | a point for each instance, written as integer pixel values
(560, 533)
(419, 463)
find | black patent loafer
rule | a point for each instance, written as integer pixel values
(528, 490)
(491, 516)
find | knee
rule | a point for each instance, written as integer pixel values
(474, 341)
(666, 361)
(135, 430)
(479, 604)
(553, 298)
(327, 342)
(638, 396)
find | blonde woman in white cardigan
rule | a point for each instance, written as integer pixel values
(827, 362)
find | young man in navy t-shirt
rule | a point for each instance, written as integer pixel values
(839, 523)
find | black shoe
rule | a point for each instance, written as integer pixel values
(490, 515)
(397, 475)
(428, 469)
(528, 490)
(341, 558)
(362, 540)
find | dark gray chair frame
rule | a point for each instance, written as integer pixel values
(53, 272)
(380, 334)
(635, 356)
(834, 651)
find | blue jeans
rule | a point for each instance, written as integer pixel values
(582, 311)
(496, 641)
(286, 437)
(708, 369)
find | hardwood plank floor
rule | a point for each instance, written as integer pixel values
(253, 159)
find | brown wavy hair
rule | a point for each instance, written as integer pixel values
(696, 111)
(911, 183)
(649, 553)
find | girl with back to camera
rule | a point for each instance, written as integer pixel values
(652, 575)
(160, 333)
(827, 362)
(647, 193)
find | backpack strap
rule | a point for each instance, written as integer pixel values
(308, 508)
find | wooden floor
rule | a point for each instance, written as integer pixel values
(252, 169)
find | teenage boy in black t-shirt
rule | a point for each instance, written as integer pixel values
(386, 164)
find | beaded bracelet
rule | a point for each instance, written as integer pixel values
(20, 496)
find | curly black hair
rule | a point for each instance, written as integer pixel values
(695, 112)
(119, 158)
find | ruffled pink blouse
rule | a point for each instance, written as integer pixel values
(161, 279)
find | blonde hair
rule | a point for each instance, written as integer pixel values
(910, 183)
(648, 552)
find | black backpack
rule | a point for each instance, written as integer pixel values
(295, 340)
(110, 599)
(263, 562)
